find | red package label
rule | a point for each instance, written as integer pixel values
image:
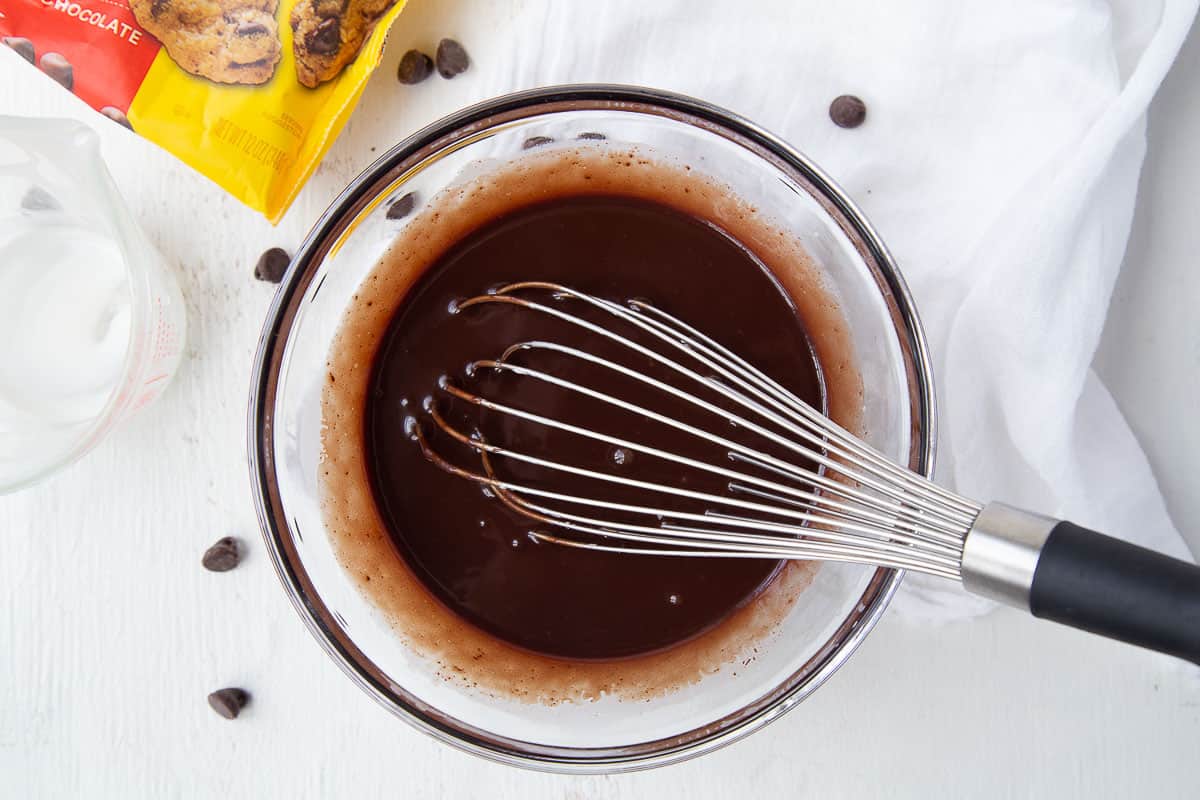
(95, 48)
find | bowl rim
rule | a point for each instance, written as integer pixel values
(272, 343)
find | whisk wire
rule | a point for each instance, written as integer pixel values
(717, 539)
(691, 494)
(687, 339)
(801, 411)
(817, 544)
(877, 513)
(861, 513)
(951, 523)
(852, 450)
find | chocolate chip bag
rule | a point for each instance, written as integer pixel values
(249, 92)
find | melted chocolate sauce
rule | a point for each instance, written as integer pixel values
(471, 551)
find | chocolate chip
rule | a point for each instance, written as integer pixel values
(22, 46)
(251, 29)
(847, 111)
(38, 199)
(452, 59)
(272, 265)
(56, 66)
(158, 6)
(535, 141)
(414, 67)
(326, 38)
(402, 206)
(116, 116)
(229, 702)
(222, 556)
(591, 135)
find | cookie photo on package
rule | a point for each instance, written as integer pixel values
(250, 93)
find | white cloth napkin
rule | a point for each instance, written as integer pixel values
(999, 161)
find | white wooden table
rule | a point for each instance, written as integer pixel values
(111, 634)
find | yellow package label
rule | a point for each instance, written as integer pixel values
(251, 93)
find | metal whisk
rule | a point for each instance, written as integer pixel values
(793, 483)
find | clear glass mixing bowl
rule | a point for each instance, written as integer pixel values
(607, 735)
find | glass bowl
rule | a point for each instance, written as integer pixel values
(820, 631)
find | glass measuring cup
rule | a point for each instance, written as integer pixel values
(91, 321)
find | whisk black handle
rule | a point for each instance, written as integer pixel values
(1062, 572)
(1110, 587)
